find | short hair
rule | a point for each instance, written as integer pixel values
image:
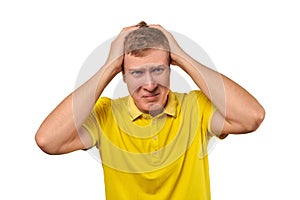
(145, 38)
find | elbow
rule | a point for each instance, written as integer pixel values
(255, 120)
(44, 143)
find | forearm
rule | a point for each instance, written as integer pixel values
(209, 81)
(234, 103)
(59, 131)
(85, 97)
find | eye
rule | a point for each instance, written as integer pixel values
(158, 70)
(136, 73)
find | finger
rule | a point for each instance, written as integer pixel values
(133, 27)
(158, 26)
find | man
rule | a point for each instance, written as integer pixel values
(153, 142)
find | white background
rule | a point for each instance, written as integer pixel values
(43, 45)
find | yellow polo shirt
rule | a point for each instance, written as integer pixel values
(162, 157)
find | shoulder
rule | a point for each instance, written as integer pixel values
(106, 103)
(103, 104)
(192, 96)
(104, 100)
(195, 101)
(197, 93)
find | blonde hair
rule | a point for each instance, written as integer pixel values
(145, 38)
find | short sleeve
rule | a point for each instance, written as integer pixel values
(206, 111)
(95, 118)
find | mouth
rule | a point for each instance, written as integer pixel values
(150, 96)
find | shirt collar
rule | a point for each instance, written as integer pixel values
(170, 108)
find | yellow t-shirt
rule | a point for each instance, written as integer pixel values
(162, 157)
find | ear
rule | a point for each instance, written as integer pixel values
(123, 75)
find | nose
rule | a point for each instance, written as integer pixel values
(149, 82)
(148, 78)
(150, 87)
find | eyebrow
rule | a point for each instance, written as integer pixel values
(146, 66)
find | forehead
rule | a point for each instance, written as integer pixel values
(153, 57)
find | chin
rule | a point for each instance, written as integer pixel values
(153, 107)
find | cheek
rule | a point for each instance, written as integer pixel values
(133, 85)
(164, 81)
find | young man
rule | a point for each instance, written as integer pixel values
(153, 142)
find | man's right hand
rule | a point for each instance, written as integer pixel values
(116, 53)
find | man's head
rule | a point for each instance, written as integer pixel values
(144, 38)
(146, 68)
